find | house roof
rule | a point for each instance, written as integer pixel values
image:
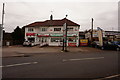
(113, 31)
(53, 23)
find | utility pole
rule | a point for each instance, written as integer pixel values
(92, 30)
(2, 24)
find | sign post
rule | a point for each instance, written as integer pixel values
(64, 38)
(65, 35)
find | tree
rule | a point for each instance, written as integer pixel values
(18, 36)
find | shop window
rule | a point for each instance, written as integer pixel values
(43, 39)
(56, 39)
(71, 40)
(31, 39)
(57, 29)
(30, 29)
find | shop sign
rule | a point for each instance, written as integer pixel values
(30, 34)
(83, 42)
(95, 35)
(56, 35)
(43, 35)
(71, 44)
(71, 34)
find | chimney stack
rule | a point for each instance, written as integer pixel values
(51, 17)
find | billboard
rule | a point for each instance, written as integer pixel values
(83, 42)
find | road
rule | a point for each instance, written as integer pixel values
(90, 65)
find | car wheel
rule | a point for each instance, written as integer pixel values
(102, 48)
(117, 49)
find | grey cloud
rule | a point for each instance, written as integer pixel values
(20, 14)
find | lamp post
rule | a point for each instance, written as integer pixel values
(1, 26)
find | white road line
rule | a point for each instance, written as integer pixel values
(82, 59)
(109, 77)
(19, 64)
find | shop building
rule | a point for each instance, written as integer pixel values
(107, 35)
(51, 32)
(112, 35)
(95, 34)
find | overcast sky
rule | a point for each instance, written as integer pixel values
(105, 13)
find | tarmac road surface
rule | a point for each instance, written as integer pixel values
(91, 65)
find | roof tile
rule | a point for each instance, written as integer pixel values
(53, 23)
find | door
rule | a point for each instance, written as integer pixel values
(43, 40)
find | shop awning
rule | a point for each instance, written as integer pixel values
(56, 35)
(71, 35)
(43, 35)
(30, 34)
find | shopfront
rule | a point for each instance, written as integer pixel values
(31, 37)
(57, 40)
(72, 41)
(43, 38)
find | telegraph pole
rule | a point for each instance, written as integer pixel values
(2, 24)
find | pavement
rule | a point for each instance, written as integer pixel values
(24, 51)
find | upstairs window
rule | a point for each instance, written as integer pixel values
(30, 29)
(57, 29)
(69, 29)
(43, 29)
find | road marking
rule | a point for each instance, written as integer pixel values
(109, 77)
(19, 64)
(82, 59)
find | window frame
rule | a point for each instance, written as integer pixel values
(70, 29)
(43, 29)
(30, 29)
(58, 39)
(57, 28)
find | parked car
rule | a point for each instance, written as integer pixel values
(118, 44)
(111, 45)
(95, 44)
(28, 43)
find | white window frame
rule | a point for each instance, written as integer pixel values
(30, 29)
(43, 29)
(57, 28)
(70, 28)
